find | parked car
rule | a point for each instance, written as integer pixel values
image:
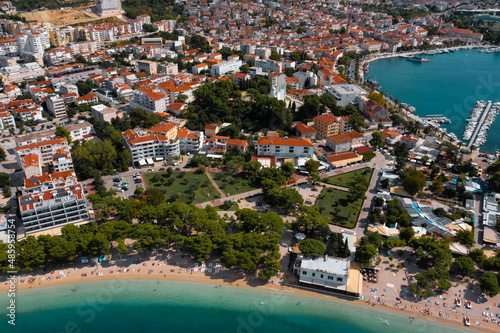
(137, 181)
(117, 184)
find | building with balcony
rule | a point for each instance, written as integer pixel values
(284, 147)
(44, 149)
(189, 141)
(148, 148)
(54, 208)
(226, 66)
(56, 106)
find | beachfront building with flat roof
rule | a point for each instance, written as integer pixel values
(323, 271)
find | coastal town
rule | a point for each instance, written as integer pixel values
(244, 144)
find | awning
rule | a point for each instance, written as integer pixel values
(214, 156)
(150, 161)
(142, 162)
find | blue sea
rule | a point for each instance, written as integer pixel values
(134, 306)
(449, 84)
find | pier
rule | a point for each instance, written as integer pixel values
(479, 124)
(436, 118)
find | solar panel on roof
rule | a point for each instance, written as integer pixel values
(33, 180)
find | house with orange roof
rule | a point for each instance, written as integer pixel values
(190, 141)
(177, 108)
(7, 120)
(31, 165)
(284, 148)
(149, 99)
(44, 149)
(305, 131)
(48, 181)
(164, 129)
(345, 141)
(240, 77)
(241, 145)
(62, 160)
(197, 69)
(147, 149)
(390, 136)
(87, 99)
(211, 130)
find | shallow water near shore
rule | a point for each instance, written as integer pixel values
(135, 306)
(449, 85)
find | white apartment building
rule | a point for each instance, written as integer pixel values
(62, 160)
(7, 120)
(56, 106)
(190, 141)
(148, 148)
(284, 147)
(226, 66)
(345, 94)
(169, 68)
(323, 272)
(58, 56)
(53, 208)
(152, 102)
(80, 131)
(84, 47)
(269, 66)
(102, 112)
(263, 52)
(18, 73)
(44, 149)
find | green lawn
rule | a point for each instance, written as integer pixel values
(232, 184)
(332, 203)
(348, 179)
(188, 187)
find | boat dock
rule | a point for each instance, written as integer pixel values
(436, 118)
(480, 124)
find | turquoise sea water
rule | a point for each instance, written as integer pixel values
(194, 307)
(449, 84)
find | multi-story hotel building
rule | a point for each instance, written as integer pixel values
(145, 149)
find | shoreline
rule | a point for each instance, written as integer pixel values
(414, 52)
(236, 282)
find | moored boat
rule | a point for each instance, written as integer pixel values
(466, 320)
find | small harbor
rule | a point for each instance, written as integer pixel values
(482, 117)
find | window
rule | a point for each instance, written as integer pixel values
(340, 279)
(321, 275)
(304, 273)
(330, 277)
(313, 274)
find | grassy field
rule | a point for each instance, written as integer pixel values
(188, 187)
(232, 184)
(332, 204)
(348, 179)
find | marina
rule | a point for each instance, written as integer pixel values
(482, 117)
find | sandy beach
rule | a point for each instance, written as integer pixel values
(178, 267)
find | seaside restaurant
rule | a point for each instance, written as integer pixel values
(326, 273)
